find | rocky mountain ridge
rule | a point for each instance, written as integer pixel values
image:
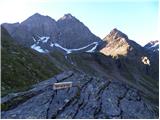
(113, 78)
(153, 46)
(68, 32)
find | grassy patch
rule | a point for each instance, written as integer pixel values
(22, 66)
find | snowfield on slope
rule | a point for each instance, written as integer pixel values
(38, 48)
(44, 39)
(68, 51)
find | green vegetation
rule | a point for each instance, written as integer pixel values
(21, 66)
(134, 74)
(14, 102)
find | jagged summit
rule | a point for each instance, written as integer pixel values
(67, 17)
(73, 30)
(66, 32)
(115, 34)
(37, 14)
(155, 42)
(153, 46)
(118, 43)
(38, 18)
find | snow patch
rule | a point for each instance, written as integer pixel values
(157, 43)
(51, 44)
(94, 48)
(65, 49)
(68, 51)
(153, 44)
(44, 39)
(39, 49)
(34, 39)
(145, 60)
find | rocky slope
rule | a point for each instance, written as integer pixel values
(101, 89)
(90, 97)
(120, 46)
(22, 67)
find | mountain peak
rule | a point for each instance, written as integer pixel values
(36, 14)
(154, 42)
(115, 30)
(37, 18)
(119, 44)
(153, 46)
(115, 34)
(67, 17)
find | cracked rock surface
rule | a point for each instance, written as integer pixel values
(89, 97)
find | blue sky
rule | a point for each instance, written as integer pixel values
(137, 18)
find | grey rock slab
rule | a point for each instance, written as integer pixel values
(110, 99)
(133, 95)
(40, 87)
(64, 75)
(36, 107)
(60, 100)
(89, 97)
(135, 109)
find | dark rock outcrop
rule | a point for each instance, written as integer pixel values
(153, 46)
(90, 97)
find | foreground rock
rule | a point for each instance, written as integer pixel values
(90, 97)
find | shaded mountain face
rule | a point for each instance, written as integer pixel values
(41, 32)
(33, 30)
(153, 46)
(21, 66)
(74, 33)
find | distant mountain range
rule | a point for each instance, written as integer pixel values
(41, 32)
(112, 78)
